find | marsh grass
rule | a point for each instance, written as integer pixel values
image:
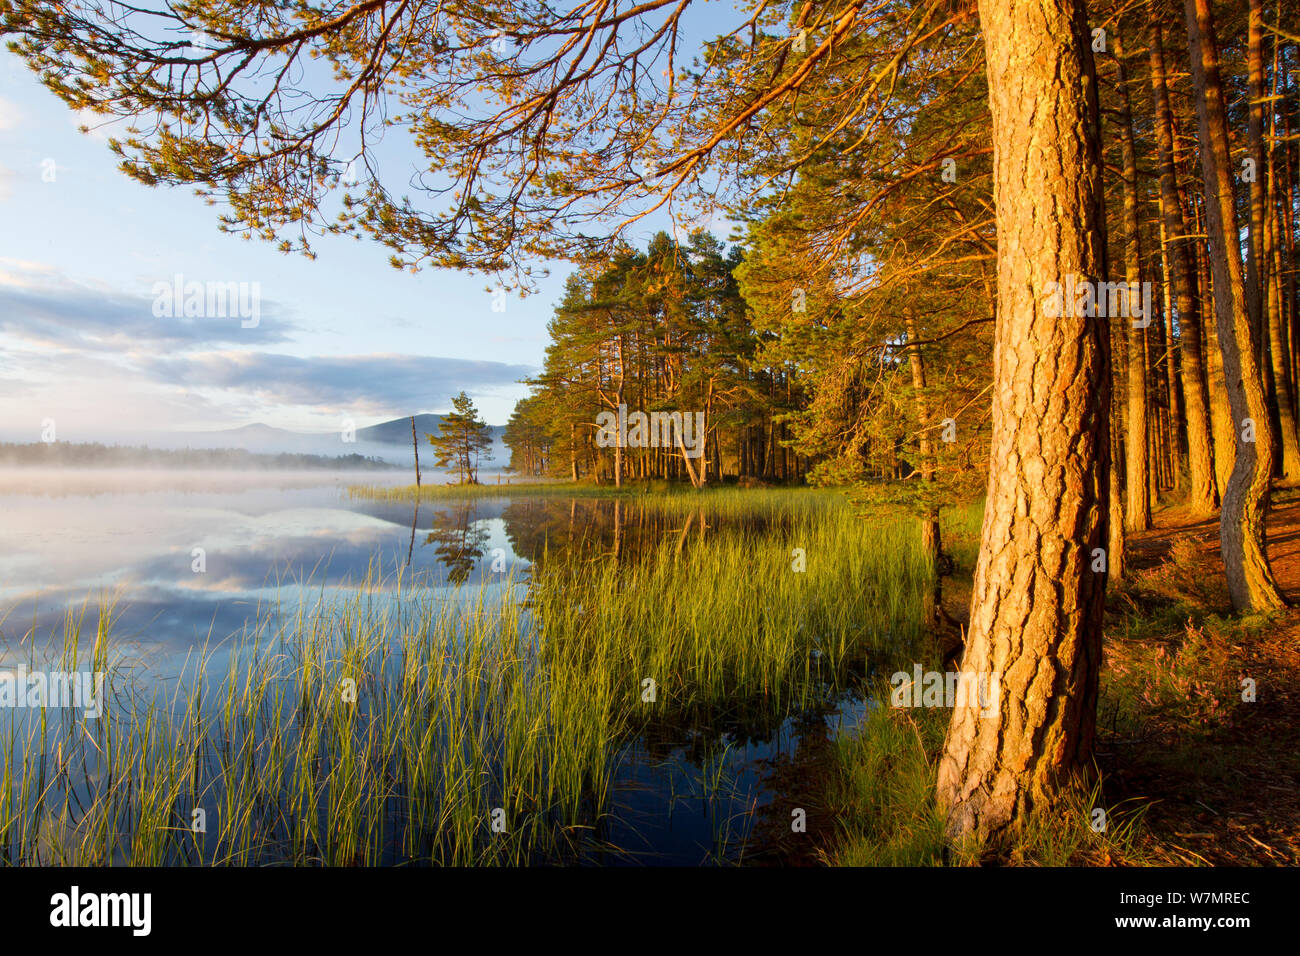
(960, 526)
(884, 798)
(520, 489)
(396, 726)
(721, 501)
(469, 492)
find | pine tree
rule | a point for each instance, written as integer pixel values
(463, 440)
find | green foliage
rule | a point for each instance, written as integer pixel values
(663, 330)
(462, 440)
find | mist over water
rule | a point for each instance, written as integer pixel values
(185, 555)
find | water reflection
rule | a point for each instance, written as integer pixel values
(194, 563)
(458, 540)
(197, 561)
(589, 527)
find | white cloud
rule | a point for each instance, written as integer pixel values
(378, 384)
(95, 358)
(41, 306)
(9, 114)
(98, 125)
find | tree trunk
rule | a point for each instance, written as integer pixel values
(1177, 416)
(1245, 500)
(1137, 514)
(416, 446)
(1263, 222)
(1221, 427)
(618, 410)
(1255, 152)
(1036, 608)
(1202, 493)
(931, 543)
(1287, 225)
(1115, 565)
(697, 478)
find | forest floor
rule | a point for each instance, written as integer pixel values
(1218, 775)
(1195, 769)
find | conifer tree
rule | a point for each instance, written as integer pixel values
(463, 440)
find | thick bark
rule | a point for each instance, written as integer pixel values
(1255, 151)
(1202, 492)
(1037, 604)
(1137, 485)
(1241, 524)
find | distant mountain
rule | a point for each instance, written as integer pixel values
(398, 431)
(389, 441)
(255, 430)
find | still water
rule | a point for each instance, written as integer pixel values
(189, 559)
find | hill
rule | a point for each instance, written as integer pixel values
(398, 431)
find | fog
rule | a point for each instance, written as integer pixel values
(222, 454)
(61, 482)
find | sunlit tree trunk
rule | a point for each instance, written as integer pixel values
(1037, 604)
(1202, 492)
(931, 541)
(1245, 499)
(1137, 486)
(1115, 562)
(1221, 427)
(1260, 280)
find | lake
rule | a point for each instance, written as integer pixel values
(188, 560)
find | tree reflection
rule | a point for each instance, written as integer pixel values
(459, 541)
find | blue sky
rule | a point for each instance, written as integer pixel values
(344, 336)
(91, 245)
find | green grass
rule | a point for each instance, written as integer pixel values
(959, 527)
(427, 492)
(885, 770)
(678, 495)
(884, 795)
(400, 728)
